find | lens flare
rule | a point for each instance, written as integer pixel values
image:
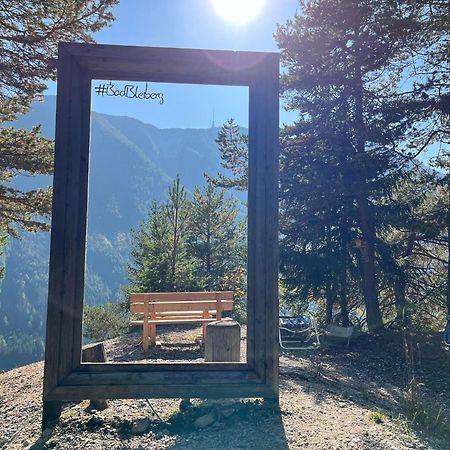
(238, 12)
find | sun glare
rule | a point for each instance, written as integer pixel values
(238, 12)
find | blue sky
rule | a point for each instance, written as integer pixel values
(188, 24)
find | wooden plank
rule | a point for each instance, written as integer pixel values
(168, 320)
(137, 366)
(53, 339)
(181, 317)
(189, 306)
(179, 296)
(186, 314)
(267, 90)
(262, 224)
(159, 377)
(75, 221)
(83, 91)
(139, 308)
(197, 390)
(170, 65)
(177, 321)
(204, 305)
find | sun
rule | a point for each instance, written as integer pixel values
(238, 12)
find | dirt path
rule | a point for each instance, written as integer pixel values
(327, 401)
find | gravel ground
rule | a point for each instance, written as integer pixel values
(178, 343)
(327, 401)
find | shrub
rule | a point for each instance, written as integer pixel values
(105, 321)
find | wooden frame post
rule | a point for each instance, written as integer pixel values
(66, 378)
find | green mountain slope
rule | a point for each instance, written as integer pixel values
(131, 164)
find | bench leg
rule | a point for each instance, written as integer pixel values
(145, 336)
(152, 334)
(206, 315)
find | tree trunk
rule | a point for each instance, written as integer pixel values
(344, 263)
(366, 219)
(208, 255)
(400, 301)
(329, 304)
(173, 264)
(374, 319)
(401, 283)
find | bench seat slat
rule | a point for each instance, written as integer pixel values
(173, 316)
(168, 321)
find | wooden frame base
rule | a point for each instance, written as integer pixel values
(65, 377)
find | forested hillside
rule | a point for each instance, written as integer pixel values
(132, 163)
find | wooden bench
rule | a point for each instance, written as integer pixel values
(160, 308)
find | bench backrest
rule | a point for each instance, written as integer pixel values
(154, 302)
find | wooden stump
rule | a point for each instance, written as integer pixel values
(223, 341)
(95, 353)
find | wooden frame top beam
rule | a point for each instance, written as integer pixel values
(170, 65)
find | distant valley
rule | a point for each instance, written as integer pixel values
(132, 163)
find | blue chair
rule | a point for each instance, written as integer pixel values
(295, 331)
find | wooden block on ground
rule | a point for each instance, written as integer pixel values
(223, 341)
(95, 353)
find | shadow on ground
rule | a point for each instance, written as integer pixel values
(230, 425)
(405, 376)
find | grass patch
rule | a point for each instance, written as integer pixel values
(424, 413)
(377, 417)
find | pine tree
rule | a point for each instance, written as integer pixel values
(233, 147)
(160, 259)
(339, 58)
(217, 237)
(30, 32)
(24, 152)
(178, 212)
(429, 98)
(150, 269)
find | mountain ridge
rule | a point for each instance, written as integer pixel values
(131, 164)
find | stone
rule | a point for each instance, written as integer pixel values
(228, 411)
(204, 421)
(139, 426)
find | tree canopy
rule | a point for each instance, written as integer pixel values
(30, 32)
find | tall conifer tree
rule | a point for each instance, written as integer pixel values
(339, 58)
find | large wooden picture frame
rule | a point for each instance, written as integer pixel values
(65, 377)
